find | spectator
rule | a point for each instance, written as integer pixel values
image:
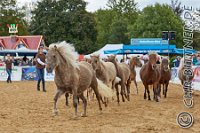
(127, 60)
(8, 63)
(158, 59)
(122, 60)
(177, 61)
(1, 62)
(194, 59)
(40, 65)
(198, 60)
(145, 58)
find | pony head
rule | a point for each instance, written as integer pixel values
(165, 64)
(153, 59)
(111, 58)
(60, 54)
(181, 65)
(95, 61)
(136, 61)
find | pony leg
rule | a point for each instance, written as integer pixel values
(163, 89)
(128, 88)
(159, 90)
(155, 91)
(166, 86)
(117, 92)
(85, 104)
(145, 91)
(123, 92)
(149, 98)
(89, 91)
(57, 96)
(136, 85)
(66, 97)
(99, 98)
(75, 100)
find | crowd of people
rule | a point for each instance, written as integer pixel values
(19, 61)
(38, 60)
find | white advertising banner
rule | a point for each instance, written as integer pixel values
(15, 76)
(49, 76)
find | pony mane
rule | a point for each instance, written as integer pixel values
(181, 65)
(152, 53)
(67, 51)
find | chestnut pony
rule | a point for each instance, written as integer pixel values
(150, 75)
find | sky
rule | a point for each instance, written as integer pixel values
(94, 5)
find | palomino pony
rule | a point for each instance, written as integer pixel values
(105, 71)
(134, 62)
(150, 75)
(123, 72)
(165, 76)
(181, 75)
(72, 77)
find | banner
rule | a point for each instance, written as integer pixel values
(29, 73)
(49, 76)
(15, 76)
(196, 74)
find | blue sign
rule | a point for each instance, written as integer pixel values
(29, 73)
(149, 41)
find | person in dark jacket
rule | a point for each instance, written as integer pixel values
(40, 66)
(8, 63)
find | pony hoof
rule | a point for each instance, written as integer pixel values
(75, 117)
(100, 109)
(149, 99)
(55, 112)
(101, 112)
(83, 115)
(157, 100)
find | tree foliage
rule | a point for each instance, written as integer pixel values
(176, 7)
(155, 19)
(65, 20)
(10, 14)
(113, 24)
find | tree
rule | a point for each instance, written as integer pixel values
(126, 9)
(65, 20)
(119, 32)
(10, 14)
(196, 36)
(155, 19)
(176, 7)
(113, 24)
(104, 20)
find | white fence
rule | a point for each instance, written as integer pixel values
(29, 73)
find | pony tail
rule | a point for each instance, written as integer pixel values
(104, 90)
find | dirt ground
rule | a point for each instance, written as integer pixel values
(25, 110)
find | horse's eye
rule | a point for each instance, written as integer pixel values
(54, 56)
(95, 61)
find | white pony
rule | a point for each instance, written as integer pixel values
(181, 75)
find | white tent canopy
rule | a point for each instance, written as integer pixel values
(100, 52)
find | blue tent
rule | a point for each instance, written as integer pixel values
(145, 45)
(130, 49)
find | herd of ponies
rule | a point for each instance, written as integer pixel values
(104, 78)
